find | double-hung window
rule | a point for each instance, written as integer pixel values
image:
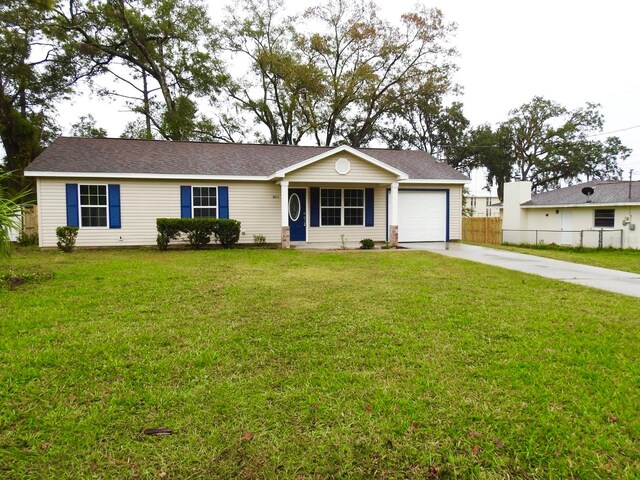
(604, 218)
(341, 206)
(205, 202)
(93, 206)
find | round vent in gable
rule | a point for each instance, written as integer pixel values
(343, 166)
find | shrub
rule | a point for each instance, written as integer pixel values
(67, 238)
(27, 239)
(198, 231)
(259, 240)
(168, 229)
(227, 232)
(366, 244)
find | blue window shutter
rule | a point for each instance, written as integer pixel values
(223, 202)
(114, 206)
(368, 207)
(315, 207)
(185, 201)
(72, 205)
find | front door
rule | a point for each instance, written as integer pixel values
(297, 214)
(566, 227)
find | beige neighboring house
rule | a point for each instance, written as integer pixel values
(483, 205)
(115, 189)
(594, 214)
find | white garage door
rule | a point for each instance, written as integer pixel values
(422, 216)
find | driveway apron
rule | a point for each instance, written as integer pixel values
(596, 277)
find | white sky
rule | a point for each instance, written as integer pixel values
(568, 51)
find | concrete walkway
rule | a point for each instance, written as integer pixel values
(596, 277)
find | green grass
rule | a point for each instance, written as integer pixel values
(294, 364)
(627, 260)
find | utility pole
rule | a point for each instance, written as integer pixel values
(630, 179)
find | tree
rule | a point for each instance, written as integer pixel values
(490, 149)
(337, 84)
(371, 66)
(423, 122)
(281, 89)
(35, 70)
(168, 42)
(546, 144)
(86, 127)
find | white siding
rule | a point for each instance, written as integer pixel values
(255, 204)
(324, 171)
(455, 211)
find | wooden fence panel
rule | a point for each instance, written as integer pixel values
(30, 220)
(482, 230)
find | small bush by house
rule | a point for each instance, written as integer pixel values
(67, 238)
(367, 244)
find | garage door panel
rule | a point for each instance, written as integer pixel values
(422, 216)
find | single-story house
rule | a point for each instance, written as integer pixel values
(114, 189)
(600, 213)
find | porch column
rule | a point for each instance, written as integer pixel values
(393, 215)
(284, 209)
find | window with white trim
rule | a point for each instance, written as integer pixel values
(604, 218)
(205, 202)
(341, 206)
(93, 206)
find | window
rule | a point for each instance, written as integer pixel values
(205, 202)
(353, 206)
(604, 218)
(341, 206)
(93, 206)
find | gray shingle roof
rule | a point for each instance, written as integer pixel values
(604, 191)
(115, 155)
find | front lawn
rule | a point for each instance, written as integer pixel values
(627, 260)
(294, 364)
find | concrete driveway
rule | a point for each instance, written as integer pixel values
(596, 277)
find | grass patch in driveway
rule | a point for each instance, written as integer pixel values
(271, 363)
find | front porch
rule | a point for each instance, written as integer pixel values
(338, 213)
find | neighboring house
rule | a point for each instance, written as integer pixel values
(606, 214)
(114, 189)
(13, 234)
(483, 205)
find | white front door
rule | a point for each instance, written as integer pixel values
(566, 227)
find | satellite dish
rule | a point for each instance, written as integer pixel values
(588, 191)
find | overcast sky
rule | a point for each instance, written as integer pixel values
(568, 51)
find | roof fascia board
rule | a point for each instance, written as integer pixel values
(145, 176)
(584, 205)
(439, 181)
(343, 148)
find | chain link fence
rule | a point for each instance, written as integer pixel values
(577, 238)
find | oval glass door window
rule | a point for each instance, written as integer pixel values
(294, 207)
